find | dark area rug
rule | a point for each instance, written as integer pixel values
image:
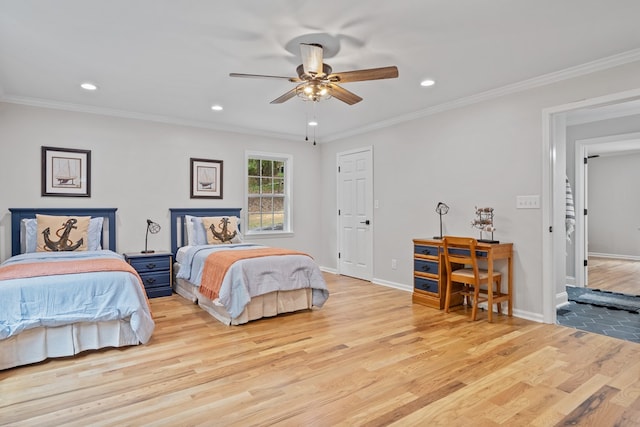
(607, 299)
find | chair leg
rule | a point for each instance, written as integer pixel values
(499, 293)
(476, 295)
(447, 299)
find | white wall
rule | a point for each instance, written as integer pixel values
(485, 154)
(142, 168)
(614, 206)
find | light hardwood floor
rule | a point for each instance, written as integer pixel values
(614, 275)
(369, 357)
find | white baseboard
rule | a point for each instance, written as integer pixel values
(388, 284)
(562, 299)
(615, 256)
(328, 270)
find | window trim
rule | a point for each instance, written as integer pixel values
(288, 183)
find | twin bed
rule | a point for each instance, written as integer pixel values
(262, 282)
(55, 304)
(52, 306)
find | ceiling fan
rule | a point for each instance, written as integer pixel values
(316, 81)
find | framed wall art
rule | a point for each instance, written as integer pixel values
(206, 179)
(66, 172)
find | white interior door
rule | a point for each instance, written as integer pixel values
(355, 209)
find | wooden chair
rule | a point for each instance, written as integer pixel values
(462, 268)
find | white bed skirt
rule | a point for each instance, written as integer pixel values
(267, 305)
(35, 345)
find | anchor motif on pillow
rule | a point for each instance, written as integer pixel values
(224, 235)
(64, 243)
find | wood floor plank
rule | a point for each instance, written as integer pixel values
(368, 358)
(614, 275)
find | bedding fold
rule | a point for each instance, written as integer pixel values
(34, 269)
(218, 263)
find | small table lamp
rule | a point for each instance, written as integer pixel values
(153, 228)
(441, 209)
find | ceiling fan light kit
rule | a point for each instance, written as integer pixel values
(316, 80)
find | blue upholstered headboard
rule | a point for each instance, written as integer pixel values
(108, 227)
(178, 228)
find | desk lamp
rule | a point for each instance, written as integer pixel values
(153, 228)
(441, 209)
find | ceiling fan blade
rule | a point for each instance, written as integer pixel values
(262, 76)
(287, 96)
(343, 95)
(362, 75)
(311, 58)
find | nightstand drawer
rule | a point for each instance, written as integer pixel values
(146, 264)
(154, 280)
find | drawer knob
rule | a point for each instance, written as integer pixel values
(151, 280)
(426, 267)
(151, 265)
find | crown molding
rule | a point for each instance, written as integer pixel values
(78, 108)
(546, 79)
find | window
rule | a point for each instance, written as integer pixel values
(268, 193)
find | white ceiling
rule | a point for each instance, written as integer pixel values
(170, 60)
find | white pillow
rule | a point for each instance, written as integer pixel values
(196, 234)
(29, 234)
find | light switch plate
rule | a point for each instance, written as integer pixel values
(528, 202)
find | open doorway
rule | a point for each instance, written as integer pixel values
(554, 190)
(606, 247)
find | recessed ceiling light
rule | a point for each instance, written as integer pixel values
(216, 107)
(427, 82)
(88, 86)
(313, 123)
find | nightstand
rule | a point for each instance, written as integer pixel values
(156, 271)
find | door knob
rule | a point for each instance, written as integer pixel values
(365, 222)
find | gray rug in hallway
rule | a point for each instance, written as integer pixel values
(604, 299)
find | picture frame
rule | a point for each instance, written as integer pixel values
(66, 172)
(206, 179)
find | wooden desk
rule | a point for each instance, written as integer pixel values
(430, 277)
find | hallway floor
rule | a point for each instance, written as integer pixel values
(600, 320)
(611, 275)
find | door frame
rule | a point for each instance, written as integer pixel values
(553, 192)
(369, 149)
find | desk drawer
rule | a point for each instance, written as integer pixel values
(426, 250)
(479, 254)
(423, 284)
(425, 266)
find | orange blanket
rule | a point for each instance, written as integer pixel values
(36, 269)
(218, 263)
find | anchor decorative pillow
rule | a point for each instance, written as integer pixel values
(62, 233)
(222, 229)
